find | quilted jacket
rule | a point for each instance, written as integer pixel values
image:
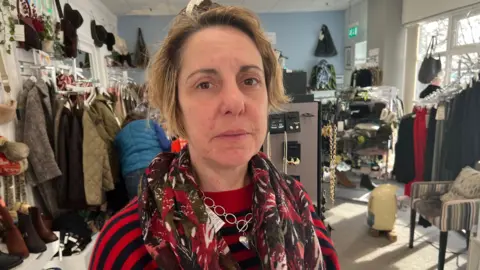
(107, 127)
(96, 164)
(138, 143)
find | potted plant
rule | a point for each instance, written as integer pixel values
(7, 25)
(48, 34)
(58, 48)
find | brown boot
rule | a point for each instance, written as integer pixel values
(13, 238)
(343, 180)
(34, 243)
(45, 234)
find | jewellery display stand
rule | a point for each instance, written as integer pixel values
(308, 167)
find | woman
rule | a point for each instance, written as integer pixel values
(218, 204)
(139, 141)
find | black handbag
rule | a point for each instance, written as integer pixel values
(431, 66)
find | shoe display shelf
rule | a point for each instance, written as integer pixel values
(36, 261)
(74, 262)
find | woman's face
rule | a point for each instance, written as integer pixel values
(223, 96)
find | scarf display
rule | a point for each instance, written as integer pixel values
(179, 234)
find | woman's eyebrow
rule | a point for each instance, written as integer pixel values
(249, 67)
(209, 71)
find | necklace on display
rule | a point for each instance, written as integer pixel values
(216, 211)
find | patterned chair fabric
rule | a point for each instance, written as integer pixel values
(450, 216)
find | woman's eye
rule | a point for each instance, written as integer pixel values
(251, 81)
(204, 85)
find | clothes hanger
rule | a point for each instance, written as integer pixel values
(91, 98)
(33, 78)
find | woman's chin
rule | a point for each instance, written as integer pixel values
(233, 157)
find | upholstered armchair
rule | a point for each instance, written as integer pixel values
(455, 215)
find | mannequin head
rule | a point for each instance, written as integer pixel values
(437, 81)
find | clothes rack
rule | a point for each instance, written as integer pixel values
(451, 114)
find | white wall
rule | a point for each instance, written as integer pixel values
(417, 10)
(386, 32)
(90, 9)
(94, 10)
(357, 13)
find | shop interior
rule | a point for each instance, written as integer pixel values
(379, 130)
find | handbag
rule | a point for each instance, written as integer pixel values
(141, 51)
(32, 39)
(431, 66)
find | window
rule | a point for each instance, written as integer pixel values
(458, 45)
(468, 31)
(464, 66)
(437, 28)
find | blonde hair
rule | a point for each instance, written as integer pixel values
(164, 68)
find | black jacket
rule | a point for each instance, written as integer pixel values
(429, 90)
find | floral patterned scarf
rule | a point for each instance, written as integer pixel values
(179, 235)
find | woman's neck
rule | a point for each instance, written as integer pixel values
(214, 178)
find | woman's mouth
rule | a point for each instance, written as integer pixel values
(233, 134)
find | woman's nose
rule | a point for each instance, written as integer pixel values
(232, 99)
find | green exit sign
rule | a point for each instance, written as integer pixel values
(353, 32)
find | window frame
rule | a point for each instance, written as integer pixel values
(452, 47)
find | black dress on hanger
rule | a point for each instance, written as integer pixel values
(404, 167)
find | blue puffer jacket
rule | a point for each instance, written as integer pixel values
(138, 143)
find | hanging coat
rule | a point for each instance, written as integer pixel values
(325, 46)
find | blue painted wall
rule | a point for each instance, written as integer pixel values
(297, 35)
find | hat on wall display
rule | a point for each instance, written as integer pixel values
(110, 41)
(99, 34)
(71, 20)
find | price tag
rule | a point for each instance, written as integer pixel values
(440, 113)
(60, 37)
(216, 221)
(19, 33)
(340, 126)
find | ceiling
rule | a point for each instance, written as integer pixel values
(173, 7)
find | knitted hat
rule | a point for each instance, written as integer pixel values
(14, 151)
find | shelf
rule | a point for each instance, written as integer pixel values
(74, 262)
(37, 261)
